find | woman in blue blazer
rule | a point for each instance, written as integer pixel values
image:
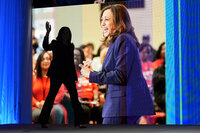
(128, 96)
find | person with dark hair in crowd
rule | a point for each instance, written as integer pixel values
(62, 70)
(97, 60)
(146, 50)
(88, 50)
(34, 47)
(34, 41)
(146, 40)
(87, 92)
(159, 92)
(160, 56)
(159, 83)
(100, 49)
(40, 90)
(128, 96)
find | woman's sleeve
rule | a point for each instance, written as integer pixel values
(119, 75)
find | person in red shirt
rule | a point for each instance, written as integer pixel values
(146, 50)
(88, 93)
(40, 90)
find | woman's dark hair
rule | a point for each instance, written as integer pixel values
(38, 64)
(81, 54)
(122, 23)
(159, 51)
(90, 44)
(64, 35)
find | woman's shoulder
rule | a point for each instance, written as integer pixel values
(126, 39)
(124, 36)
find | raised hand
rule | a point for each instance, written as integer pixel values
(85, 71)
(48, 27)
(87, 63)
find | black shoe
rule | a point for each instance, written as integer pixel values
(44, 126)
(80, 126)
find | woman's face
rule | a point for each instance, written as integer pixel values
(145, 53)
(162, 53)
(107, 23)
(46, 61)
(77, 57)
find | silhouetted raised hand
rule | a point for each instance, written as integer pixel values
(48, 27)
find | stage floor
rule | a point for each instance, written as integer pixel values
(35, 128)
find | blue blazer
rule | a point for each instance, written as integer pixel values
(128, 94)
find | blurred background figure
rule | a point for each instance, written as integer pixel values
(160, 56)
(34, 41)
(146, 40)
(41, 86)
(146, 51)
(88, 50)
(159, 93)
(88, 93)
(159, 84)
(34, 47)
(98, 58)
(99, 1)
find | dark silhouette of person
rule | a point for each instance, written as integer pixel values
(62, 70)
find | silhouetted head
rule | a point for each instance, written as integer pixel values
(64, 35)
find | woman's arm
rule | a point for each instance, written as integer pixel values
(118, 76)
(45, 44)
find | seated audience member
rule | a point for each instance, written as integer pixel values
(34, 42)
(102, 87)
(159, 92)
(98, 59)
(88, 50)
(146, 50)
(41, 86)
(147, 65)
(160, 56)
(146, 39)
(34, 47)
(87, 92)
